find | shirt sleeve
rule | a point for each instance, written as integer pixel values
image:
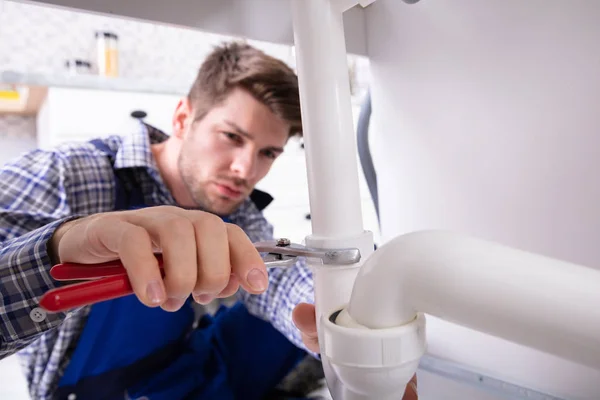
(32, 205)
(288, 287)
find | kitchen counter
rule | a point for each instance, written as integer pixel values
(93, 82)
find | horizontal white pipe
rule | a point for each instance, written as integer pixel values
(543, 303)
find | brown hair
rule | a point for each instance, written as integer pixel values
(266, 78)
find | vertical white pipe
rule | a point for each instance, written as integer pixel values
(331, 155)
(327, 118)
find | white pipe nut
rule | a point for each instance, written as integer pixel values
(376, 363)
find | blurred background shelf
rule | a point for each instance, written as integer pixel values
(38, 80)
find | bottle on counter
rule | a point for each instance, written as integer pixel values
(108, 53)
(78, 67)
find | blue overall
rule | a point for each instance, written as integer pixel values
(130, 351)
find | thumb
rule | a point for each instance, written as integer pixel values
(305, 319)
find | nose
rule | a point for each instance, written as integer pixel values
(244, 165)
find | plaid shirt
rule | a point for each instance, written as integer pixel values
(42, 189)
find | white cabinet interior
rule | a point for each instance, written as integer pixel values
(81, 114)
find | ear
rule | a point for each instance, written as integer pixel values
(182, 118)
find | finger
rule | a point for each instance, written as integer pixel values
(246, 262)
(213, 263)
(231, 288)
(311, 343)
(173, 304)
(411, 392)
(175, 236)
(305, 319)
(133, 245)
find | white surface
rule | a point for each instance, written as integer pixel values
(489, 115)
(331, 162)
(268, 20)
(327, 118)
(333, 283)
(523, 297)
(485, 121)
(433, 387)
(511, 363)
(287, 182)
(12, 380)
(82, 114)
(11, 147)
(520, 296)
(377, 363)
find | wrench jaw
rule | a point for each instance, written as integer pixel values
(278, 260)
(283, 253)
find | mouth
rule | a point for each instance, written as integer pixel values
(228, 191)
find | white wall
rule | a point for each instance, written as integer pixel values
(486, 121)
(17, 135)
(13, 384)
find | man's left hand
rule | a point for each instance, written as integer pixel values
(305, 319)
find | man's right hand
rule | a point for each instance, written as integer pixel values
(202, 255)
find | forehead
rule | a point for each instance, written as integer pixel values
(241, 109)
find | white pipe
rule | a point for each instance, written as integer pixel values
(330, 144)
(327, 118)
(530, 299)
(331, 156)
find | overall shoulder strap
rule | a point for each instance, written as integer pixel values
(105, 148)
(260, 199)
(127, 196)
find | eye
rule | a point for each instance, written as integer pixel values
(269, 154)
(234, 137)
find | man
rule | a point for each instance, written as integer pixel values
(190, 196)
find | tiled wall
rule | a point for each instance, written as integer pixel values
(38, 39)
(35, 38)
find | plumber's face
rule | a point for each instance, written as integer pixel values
(229, 150)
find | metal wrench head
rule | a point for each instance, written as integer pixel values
(283, 253)
(271, 255)
(278, 260)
